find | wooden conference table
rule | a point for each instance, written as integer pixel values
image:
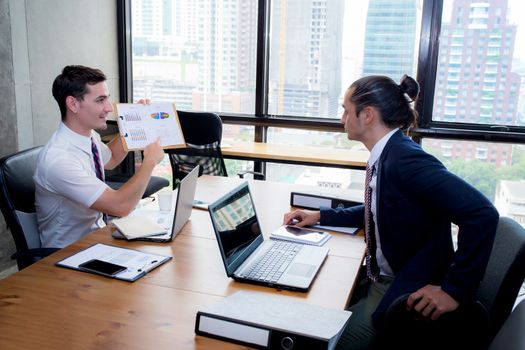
(290, 154)
(294, 154)
(49, 307)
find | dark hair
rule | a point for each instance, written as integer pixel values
(73, 82)
(392, 100)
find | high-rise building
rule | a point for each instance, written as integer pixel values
(227, 36)
(152, 25)
(305, 57)
(173, 37)
(475, 81)
(390, 38)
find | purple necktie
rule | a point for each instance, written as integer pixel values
(98, 169)
(372, 270)
(96, 160)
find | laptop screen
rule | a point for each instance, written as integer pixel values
(235, 223)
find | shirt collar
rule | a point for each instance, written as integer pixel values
(77, 140)
(379, 147)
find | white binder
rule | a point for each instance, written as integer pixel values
(271, 322)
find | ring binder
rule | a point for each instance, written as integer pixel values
(315, 201)
(271, 322)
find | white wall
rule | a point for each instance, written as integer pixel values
(48, 35)
(37, 39)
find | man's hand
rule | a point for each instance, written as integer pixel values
(430, 302)
(144, 101)
(154, 152)
(303, 217)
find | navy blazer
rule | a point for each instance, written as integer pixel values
(417, 199)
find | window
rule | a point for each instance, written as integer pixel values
(276, 71)
(495, 169)
(495, 70)
(309, 73)
(200, 54)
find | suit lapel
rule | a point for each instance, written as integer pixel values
(398, 135)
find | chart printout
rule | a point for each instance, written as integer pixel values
(141, 125)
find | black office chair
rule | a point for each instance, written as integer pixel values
(17, 202)
(155, 183)
(496, 296)
(202, 133)
(116, 179)
(504, 275)
(511, 335)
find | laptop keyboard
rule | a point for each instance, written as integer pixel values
(272, 265)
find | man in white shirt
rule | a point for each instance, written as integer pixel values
(71, 196)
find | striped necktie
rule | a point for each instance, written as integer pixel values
(96, 160)
(98, 169)
(372, 270)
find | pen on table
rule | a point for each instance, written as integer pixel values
(150, 263)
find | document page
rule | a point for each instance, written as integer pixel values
(141, 125)
(137, 262)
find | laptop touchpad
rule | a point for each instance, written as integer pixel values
(300, 269)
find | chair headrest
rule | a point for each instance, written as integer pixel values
(17, 171)
(200, 128)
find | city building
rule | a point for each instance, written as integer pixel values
(510, 200)
(305, 58)
(390, 40)
(475, 80)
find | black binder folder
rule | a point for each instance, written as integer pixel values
(271, 322)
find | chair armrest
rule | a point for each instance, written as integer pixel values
(255, 173)
(34, 253)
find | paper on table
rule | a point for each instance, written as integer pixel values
(138, 263)
(141, 125)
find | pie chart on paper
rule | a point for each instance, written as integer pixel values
(159, 115)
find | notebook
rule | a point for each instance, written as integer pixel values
(248, 257)
(138, 226)
(172, 221)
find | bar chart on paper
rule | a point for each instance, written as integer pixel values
(141, 125)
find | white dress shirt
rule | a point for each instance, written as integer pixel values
(375, 154)
(66, 185)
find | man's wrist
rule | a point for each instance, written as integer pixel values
(149, 163)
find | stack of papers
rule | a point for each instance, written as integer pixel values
(300, 235)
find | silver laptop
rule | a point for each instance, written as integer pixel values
(175, 219)
(248, 257)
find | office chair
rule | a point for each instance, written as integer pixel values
(504, 275)
(155, 183)
(495, 297)
(17, 202)
(511, 335)
(202, 133)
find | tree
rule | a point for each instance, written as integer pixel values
(481, 175)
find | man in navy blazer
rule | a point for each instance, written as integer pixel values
(414, 201)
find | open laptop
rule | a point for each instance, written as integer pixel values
(247, 256)
(172, 220)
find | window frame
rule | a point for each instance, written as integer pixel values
(426, 75)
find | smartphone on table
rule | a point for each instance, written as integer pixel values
(102, 267)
